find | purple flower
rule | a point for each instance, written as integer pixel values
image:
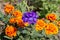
(30, 17)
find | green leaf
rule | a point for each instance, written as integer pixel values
(36, 34)
(7, 37)
(21, 37)
(1, 15)
(26, 32)
(18, 39)
(6, 18)
(18, 33)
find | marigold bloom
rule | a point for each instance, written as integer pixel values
(17, 13)
(10, 31)
(20, 23)
(8, 8)
(40, 24)
(51, 16)
(51, 29)
(12, 20)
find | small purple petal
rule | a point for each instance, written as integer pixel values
(30, 14)
(30, 19)
(34, 19)
(36, 16)
(25, 19)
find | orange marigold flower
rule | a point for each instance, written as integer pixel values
(10, 31)
(20, 23)
(17, 13)
(12, 20)
(51, 29)
(40, 24)
(51, 16)
(8, 8)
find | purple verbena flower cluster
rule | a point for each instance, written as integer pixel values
(30, 17)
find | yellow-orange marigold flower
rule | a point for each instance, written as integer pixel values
(8, 8)
(10, 31)
(51, 16)
(17, 13)
(12, 20)
(40, 24)
(20, 23)
(51, 29)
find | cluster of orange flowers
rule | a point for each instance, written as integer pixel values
(16, 18)
(49, 28)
